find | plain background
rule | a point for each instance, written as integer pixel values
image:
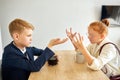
(52, 17)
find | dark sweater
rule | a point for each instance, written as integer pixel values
(16, 66)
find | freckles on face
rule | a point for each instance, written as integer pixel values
(93, 36)
(91, 39)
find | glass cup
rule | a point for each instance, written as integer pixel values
(80, 58)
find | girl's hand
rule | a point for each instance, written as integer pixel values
(71, 36)
(56, 41)
(78, 42)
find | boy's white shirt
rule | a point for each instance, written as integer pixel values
(108, 59)
(23, 51)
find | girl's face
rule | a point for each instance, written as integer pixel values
(24, 39)
(94, 37)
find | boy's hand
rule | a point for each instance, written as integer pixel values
(56, 41)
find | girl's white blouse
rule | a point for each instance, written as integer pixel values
(107, 61)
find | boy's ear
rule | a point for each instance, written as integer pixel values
(15, 36)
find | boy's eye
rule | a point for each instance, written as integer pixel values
(29, 35)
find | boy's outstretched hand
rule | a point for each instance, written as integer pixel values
(56, 41)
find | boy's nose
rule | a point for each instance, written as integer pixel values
(30, 39)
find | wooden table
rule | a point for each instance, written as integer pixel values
(67, 69)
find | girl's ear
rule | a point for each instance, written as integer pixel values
(103, 36)
(15, 36)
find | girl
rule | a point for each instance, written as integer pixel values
(107, 60)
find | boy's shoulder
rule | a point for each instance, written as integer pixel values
(9, 45)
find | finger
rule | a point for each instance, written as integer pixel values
(70, 30)
(74, 34)
(74, 43)
(73, 40)
(66, 31)
(79, 36)
(82, 38)
(57, 39)
(76, 38)
(64, 40)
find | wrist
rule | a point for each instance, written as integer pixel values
(49, 46)
(77, 51)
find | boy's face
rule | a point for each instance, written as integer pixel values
(24, 39)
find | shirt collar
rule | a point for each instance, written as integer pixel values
(22, 50)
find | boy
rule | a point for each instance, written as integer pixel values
(18, 57)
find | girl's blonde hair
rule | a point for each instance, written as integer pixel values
(18, 25)
(100, 26)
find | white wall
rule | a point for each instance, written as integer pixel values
(52, 17)
(1, 49)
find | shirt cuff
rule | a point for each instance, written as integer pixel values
(95, 65)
